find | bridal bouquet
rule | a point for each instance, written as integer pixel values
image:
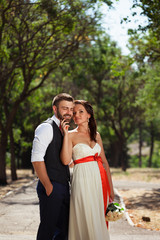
(114, 212)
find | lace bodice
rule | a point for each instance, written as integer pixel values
(81, 150)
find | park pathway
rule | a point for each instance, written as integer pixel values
(19, 217)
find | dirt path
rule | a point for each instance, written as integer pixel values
(141, 197)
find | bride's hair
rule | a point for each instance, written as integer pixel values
(91, 122)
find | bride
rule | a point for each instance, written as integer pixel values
(91, 185)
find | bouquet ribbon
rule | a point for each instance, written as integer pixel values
(103, 174)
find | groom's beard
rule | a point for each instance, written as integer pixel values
(67, 117)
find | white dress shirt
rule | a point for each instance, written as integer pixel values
(42, 138)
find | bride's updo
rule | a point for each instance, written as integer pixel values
(91, 122)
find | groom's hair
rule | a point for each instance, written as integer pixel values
(92, 122)
(60, 97)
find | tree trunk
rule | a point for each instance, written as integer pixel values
(3, 147)
(12, 150)
(151, 146)
(122, 152)
(123, 156)
(119, 154)
(115, 153)
(140, 145)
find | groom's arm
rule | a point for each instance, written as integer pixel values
(41, 171)
(43, 137)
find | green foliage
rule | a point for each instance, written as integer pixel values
(149, 95)
(145, 48)
(8, 160)
(48, 47)
(36, 37)
(151, 9)
(155, 160)
(134, 161)
(145, 40)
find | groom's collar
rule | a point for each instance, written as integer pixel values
(56, 120)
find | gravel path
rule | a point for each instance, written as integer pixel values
(19, 217)
(127, 185)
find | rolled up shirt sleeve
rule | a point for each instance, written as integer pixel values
(43, 137)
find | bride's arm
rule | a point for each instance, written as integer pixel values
(66, 152)
(106, 165)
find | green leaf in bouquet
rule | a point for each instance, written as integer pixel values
(116, 204)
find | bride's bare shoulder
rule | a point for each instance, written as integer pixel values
(98, 137)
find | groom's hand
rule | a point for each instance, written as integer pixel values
(49, 189)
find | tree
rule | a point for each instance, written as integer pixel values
(145, 48)
(146, 39)
(148, 99)
(35, 37)
(150, 9)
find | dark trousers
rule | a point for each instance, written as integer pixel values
(54, 212)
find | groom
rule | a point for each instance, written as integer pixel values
(53, 184)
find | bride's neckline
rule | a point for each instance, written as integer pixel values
(86, 145)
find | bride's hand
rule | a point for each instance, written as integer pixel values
(65, 126)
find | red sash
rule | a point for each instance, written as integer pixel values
(104, 178)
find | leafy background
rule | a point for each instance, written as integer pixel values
(48, 47)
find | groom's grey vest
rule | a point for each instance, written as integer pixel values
(55, 169)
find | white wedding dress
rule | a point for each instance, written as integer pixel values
(87, 220)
